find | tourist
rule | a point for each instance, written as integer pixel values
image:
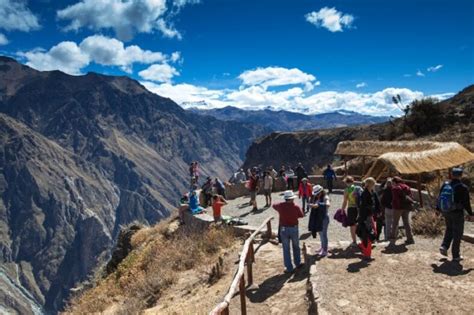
(319, 218)
(218, 202)
(194, 202)
(281, 172)
(219, 187)
(206, 191)
(194, 170)
(290, 175)
(453, 200)
(386, 204)
(402, 203)
(289, 214)
(369, 207)
(267, 188)
(239, 177)
(330, 176)
(304, 193)
(351, 199)
(253, 186)
(300, 173)
(273, 172)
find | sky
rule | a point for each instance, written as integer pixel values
(308, 56)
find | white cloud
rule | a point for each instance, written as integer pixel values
(3, 39)
(434, 68)
(71, 58)
(125, 17)
(15, 16)
(361, 85)
(420, 74)
(277, 76)
(176, 57)
(65, 56)
(159, 73)
(331, 19)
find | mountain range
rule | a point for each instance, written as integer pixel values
(82, 156)
(289, 121)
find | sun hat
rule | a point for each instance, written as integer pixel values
(317, 189)
(289, 195)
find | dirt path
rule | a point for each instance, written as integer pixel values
(274, 292)
(412, 280)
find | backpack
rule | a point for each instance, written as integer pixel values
(354, 193)
(446, 197)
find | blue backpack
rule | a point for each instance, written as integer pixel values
(446, 197)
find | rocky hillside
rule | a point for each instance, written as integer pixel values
(289, 121)
(450, 120)
(80, 156)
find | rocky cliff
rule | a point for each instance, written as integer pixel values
(81, 156)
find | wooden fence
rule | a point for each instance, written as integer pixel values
(247, 258)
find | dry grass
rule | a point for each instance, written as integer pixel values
(155, 263)
(428, 223)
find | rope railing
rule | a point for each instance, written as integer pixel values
(247, 257)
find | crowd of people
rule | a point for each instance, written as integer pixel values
(365, 210)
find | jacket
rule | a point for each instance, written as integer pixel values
(398, 192)
(317, 215)
(369, 205)
(329, 174)
(307, 193)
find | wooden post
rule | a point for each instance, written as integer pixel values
(243, 306)
(420, 195)
(269, 229)
(249, 264)
(363, 166)
(345, 167)
(438, 176)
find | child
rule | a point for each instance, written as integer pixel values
(217, 203)
(319, 218)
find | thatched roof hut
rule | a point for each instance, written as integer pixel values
(407, 157)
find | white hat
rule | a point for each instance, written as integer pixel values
(289, 195)
(317, 189)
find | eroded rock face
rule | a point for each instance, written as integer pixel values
(79, 158)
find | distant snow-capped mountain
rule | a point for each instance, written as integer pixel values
(284, 120)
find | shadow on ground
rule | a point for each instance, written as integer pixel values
(450, 268)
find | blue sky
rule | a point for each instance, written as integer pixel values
(302, 55)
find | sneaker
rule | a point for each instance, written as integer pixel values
(458, 258)
(443, 251)
(354, 244)
(318, 251)
(288, 271)
(323, 253)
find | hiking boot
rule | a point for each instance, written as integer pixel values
(410, 242)
(443, 251)
(458, 259)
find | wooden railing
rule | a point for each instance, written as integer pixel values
(247, 258)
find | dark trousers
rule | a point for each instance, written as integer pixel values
(290, 185)
(454, 231)
(329, 184)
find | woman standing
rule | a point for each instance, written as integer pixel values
(319, 218)
(386, 203)
(369, 207)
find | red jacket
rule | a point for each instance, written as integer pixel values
(308, 192)
(397, 194)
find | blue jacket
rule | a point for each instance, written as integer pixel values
(329, 174)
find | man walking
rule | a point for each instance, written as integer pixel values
(452, 201)
(305, 191)
(401, 204)
(289, 214)
(330, 176)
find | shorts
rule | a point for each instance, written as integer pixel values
(253, 195)
(352, 216)
(267, 192)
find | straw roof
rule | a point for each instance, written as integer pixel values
(408, 157)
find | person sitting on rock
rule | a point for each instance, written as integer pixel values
(289, 213)
(194, 205)
(218, 202)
